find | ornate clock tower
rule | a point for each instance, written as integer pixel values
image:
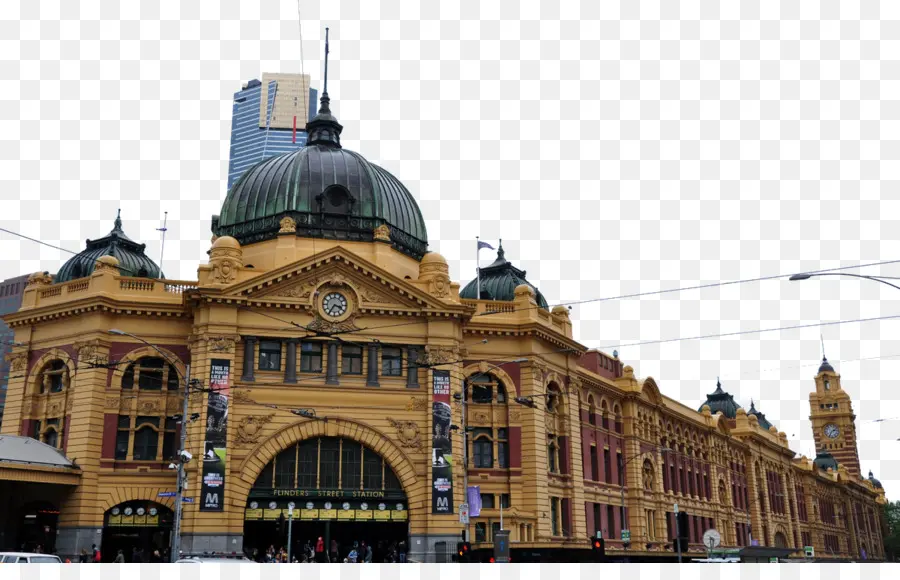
(831, 414)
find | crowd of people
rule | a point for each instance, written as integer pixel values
(360, 552)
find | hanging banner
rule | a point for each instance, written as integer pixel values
(441, 449)
(212, 491)
(474, 496)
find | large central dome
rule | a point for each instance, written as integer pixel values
(328, 191)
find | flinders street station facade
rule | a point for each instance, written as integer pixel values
(332, 363)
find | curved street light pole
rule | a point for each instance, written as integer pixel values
(797, 277)
(176, 531)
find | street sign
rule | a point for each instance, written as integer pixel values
(809, 551)
(773, 560)
(166, 494)
(501, 546)
(464, 513)
(187, 500)
(626, 535)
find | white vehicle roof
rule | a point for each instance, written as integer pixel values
(29, 555)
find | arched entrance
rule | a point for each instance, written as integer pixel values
(780, 540)
(343, 491)
(137, 528)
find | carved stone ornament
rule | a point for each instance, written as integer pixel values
(322, 325)
(439, 286)
(301, 291)
(111, 403)
(39, 279)
(382, 233)
(250, 429)
(221, 344)
(288, 225)
(417, 404)
(53, 410)
(173, 404)
(149, 407)
(18, 361)
(480, 419)
(483, 367)
(225, 270)
(440, 354)
(407, 433)
(370, 295)
(241, 396)
(514, 415)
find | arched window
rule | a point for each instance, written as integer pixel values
(592, 411)
(151, 373)
(604, 414)
(482, 448)
(51, 433)
(54, 377)
(501, 393)
(146, 438)
(482, 388)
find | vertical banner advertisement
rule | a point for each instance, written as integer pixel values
(212, 492)
(441, 449)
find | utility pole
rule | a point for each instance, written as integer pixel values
(290, 526)
(465, 441)
(176, 532)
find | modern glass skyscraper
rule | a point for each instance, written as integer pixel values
(10, 300)
(269, 118)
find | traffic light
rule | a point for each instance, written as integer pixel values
(598, 547)
(463, 551)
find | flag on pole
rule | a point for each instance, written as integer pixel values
(483, 245)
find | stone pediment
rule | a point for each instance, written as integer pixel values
(369, 286)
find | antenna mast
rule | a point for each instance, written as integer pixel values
(162, 247)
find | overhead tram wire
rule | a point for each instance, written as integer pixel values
(744, 332)
(121, 268)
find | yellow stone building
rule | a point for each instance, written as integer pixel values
(333, 364)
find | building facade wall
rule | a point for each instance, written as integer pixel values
(10, 299)
(556, 466)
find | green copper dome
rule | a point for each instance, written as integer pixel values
(825, 460)
(132, 259)
(328, 191)
(499, 282)
(721, 402)
(761, 417)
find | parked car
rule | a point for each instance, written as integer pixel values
(212, 560)
(27, 558)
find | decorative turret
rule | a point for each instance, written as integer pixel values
(721, 402)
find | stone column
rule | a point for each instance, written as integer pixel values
(372, 375)
(331, 373)
(290, 365)
(412, 371)
(249, 351)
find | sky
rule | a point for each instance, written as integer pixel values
(615, 148)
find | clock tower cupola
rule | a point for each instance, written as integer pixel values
(831, 414)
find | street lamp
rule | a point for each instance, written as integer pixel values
(882, 279)
(461, 397)
(183, 455)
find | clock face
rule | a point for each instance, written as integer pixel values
(832, 431)
(334, 304)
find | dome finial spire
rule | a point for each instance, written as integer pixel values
(324, 128)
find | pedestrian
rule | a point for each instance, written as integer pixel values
(96, 553)
(368, 557)
(155, 558)
(352, 556)
(334, 550)
(83, 557)
(402, 551)
(120, 558)
(321, 556)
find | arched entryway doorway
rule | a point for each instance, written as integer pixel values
(137, 528)
(343, 492)
(780, 540)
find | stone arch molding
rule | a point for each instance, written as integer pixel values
(125, 494)
(51, 355)
(499, 373)
(334, 427)
(652, 390)
(140, 352)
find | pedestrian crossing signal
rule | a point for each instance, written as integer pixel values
(463, 551)
(598, 547)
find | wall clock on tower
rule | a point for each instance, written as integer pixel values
(832, 431)
(334, 304)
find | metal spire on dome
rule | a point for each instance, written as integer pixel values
(324, 128)
(117, 225)
(718, 390)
